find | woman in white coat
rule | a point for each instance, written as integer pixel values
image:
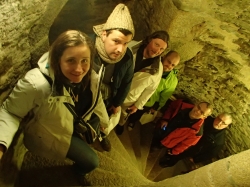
(147, 74)
(50, 129)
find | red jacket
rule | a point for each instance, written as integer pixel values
(181, 138)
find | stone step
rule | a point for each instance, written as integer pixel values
(169, 172)
(152, 160)
(153, 168)
(127, 144)
(145, 140)
(118, 147)
(134, 136)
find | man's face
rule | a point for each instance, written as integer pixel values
(200, 111)
(221, 122)
(155, 48)
(170, 62)
(115, 43)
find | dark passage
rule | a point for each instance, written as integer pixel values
(81, 15)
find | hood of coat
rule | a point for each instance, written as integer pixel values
(44, 65)
(95, 78)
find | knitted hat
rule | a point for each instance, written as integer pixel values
(120, 18)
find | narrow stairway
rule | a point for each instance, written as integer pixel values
(128, 164)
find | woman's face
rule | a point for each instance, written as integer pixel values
(75, 62)
(155, 48)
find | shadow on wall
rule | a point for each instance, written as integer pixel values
(81, 15)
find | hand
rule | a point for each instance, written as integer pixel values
(102, 128)
(114, 109)
(191, 159)
(163, 123)
(152, 111)
(133, 109)
(169, 152)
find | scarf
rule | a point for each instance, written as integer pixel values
(100, 46)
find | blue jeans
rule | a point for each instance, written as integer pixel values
(84, 157)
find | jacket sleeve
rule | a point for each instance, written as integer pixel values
(101, 112)
(16, 106)
(146, 94)
(178, 141)
(166, 93)
(123, 89)
(208, 154)
(171, 110)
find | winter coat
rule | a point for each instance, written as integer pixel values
(49, 130)
(164, 90)
(121, 78)
(143, 85)
(183, 137)
(211, 142)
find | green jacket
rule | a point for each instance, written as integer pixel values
(164, 90)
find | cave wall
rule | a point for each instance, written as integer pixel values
(24, 28)
(212, 37)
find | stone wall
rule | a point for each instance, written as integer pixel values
(24, 28)
(212, 38)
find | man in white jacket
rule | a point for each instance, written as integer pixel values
(147, 73)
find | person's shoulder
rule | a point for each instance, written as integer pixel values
(209, 121)
(35, 80)
(134, 45)
(33, 74)
(129, 53)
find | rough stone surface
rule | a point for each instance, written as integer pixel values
(23, 37)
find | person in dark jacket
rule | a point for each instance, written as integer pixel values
(180, 126)
(111, 41)
(209, 145)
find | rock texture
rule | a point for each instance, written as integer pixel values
(24, 28)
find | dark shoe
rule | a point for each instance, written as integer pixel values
(131, 126)
(164, 162)
(83, 180)
(154, 149)
(155, 145)
(119, 129)
(168, 161)
(106, 145)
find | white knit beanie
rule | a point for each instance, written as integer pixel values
(120, 18)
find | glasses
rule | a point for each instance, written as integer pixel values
(221, 121)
